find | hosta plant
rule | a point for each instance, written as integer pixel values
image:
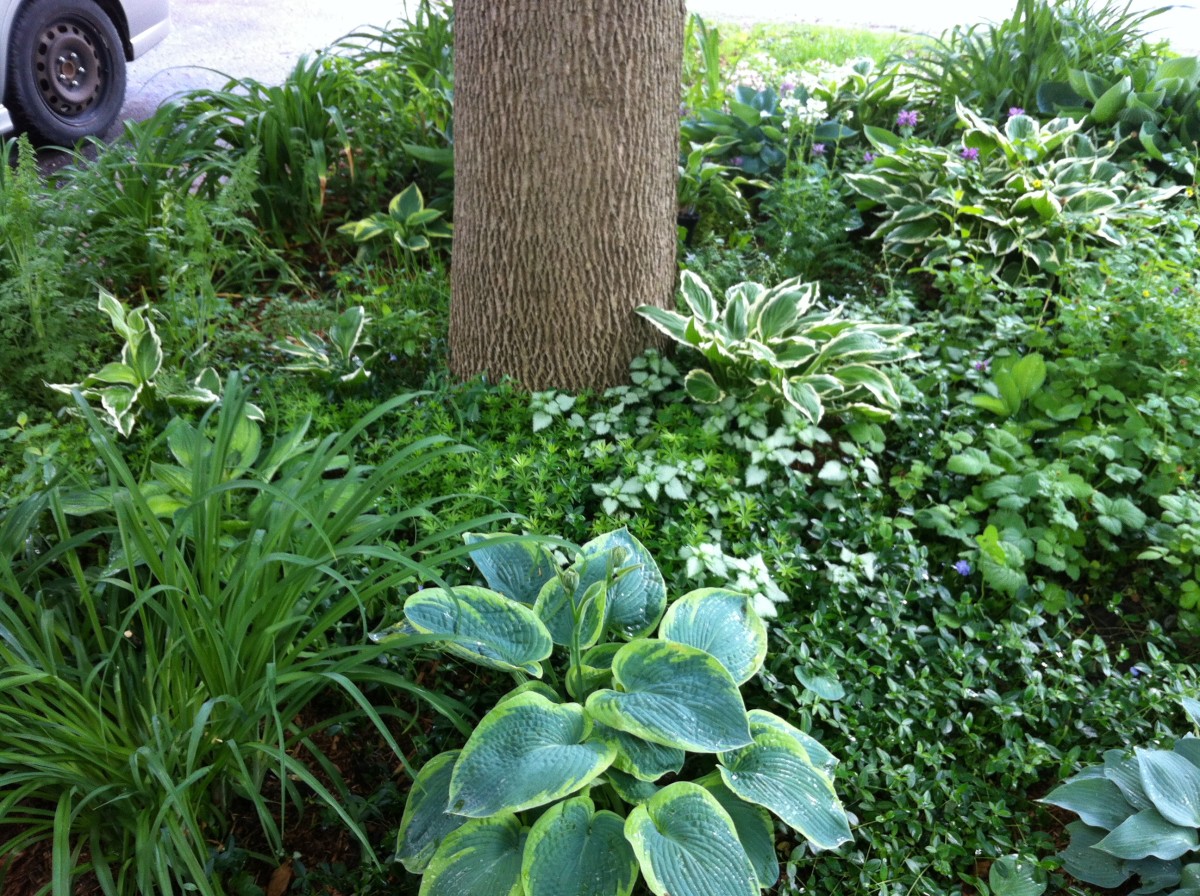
(779, 342)
(625, 750)
(411, 226)
(342, 357)
(1139, 814)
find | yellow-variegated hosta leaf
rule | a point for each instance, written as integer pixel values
(426, 821)
(573, 850)
(526, 752)
(687, 845)
(483, 626)
(481, 858)
(517, 568)
(722, 623)
(675, 695)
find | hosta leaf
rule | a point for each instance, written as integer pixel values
(640, 758)
(702, 387)
(573, 850)
(755, 830)
(671, 323)
(517, 569)
(776, 312)
(687, 845)
(526, 752)
(1097, 801)
(722, 623)
(1189, 749)
(1125, 771)
(804, 398)
(558, 612)
(1083, 861)
(777, 772)
(1148, 834)
(1173, 785)
(482, 858)
(630, 789)
(637, 600)
(483, 626)
(674, 695)
(698, 296)
(426, 821)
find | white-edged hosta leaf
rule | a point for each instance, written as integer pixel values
(1148, 834)
(1173, 785)
(573, 850)
(516, 568)
(640, 758)
(675, 695)
(777, 772)
(687, 845)
(1083, 861)
(701, 386)
(483, 626)
(426, 821)
(526, 752)
(755, 830)
(481, 858)
(1097, 801)
(722, 623)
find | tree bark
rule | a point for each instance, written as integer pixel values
(566, 130)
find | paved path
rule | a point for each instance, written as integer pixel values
(213, 39)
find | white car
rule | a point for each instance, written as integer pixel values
(62, 62)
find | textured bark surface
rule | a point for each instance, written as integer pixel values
(566, 136)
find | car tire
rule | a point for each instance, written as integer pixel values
(66, 71)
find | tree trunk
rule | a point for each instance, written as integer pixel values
(566, 132)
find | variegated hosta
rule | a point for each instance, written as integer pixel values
(629, 753)
(780, 341)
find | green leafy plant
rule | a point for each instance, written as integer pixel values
(171, 640)
(1139, 814)
(536, 800)
(781, 343)
(138, 377)
(343, 357)
(411, 226)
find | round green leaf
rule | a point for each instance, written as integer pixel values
(426, 822)
(481, 858)
(1148, 834)
(483, 626)
(755, 830)
(776, 771)
(526, 752)
(573, 850)
(1173, 785)
(687, 845)
(516, 568)
(675, 695)
(721, 623)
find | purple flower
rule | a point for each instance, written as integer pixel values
(907, 118)
(736, 161)
(1015, 111)
(787, 87)
(970, 153)
(963, 568)
(868, 157)
(983, 366)
(818, 149)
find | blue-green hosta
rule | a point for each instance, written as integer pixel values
(629, 753)
(1139, 814)
(782, 343)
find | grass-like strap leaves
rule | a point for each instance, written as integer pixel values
(687, 845)
(426, 821)
(483, 626)
(526, 752)
(721, 623)
(573, 850)
(674, 695)
(777, 772)
(482, 858)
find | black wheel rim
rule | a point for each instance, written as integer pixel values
(70, 67)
